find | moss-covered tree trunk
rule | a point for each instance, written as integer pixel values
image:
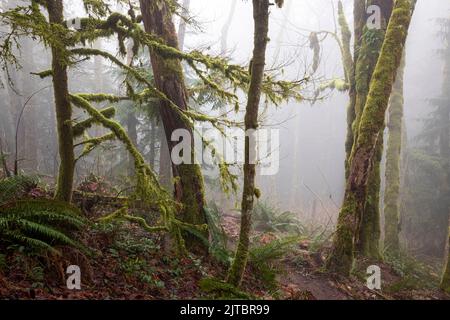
(152, 151)
(371, 124)
(63, 111)
(445, 282)
(392, 174)
(359, 13)
(165, 170)
(367, 240)
(261, 23)
(444, 149)
(169, 79)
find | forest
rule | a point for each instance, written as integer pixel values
(224, 150)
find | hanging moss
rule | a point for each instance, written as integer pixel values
(148, 188)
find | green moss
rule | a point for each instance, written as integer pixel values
(80, 128)
(148, 188)
(372, 123)
(394, 146)
(341, 258)
(368, 242)
(445, 283)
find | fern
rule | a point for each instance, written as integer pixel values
(39, 225)
(263, 257)
(269, 219)
(219, 240)
(15, 187)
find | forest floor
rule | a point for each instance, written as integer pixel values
(128, 263)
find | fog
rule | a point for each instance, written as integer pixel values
(310, 181)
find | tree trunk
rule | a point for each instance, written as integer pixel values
(372, 122)
(169, 78)
(261, 20)
(165, 170)
(132, 134)
(29, 119)
(392, 174)
(152, 151)
(367, 241)
(63, 111)
(444, 146)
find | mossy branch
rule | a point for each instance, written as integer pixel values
(81, 127)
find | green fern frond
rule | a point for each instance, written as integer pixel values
(40, 225)
(262, 258)
(45, 231)
(16, 186)
(35, 244)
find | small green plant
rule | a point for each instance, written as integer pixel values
(414, 274)
(16, 187)
(3, 263)
(218, 289)
(36, 224)
(269, 219)
(263, 258)
(218, 244)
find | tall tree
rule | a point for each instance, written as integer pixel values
(169, 79)
(261, 23)
(62, 106)
(392, 173)
(364, 150)
(367, 241)
(443, 114)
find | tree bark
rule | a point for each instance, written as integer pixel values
(169, 78)
(261, 21)
(63, 111)
(392, 174)
(444, 146)
(372, 122)
(367, 241)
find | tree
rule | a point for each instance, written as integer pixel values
(443, 126)
(169, 79)
(393, 154)
(364, 150)
(62, 106)
(261, 23)
(367, 242)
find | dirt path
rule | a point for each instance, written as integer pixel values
(310, 286)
